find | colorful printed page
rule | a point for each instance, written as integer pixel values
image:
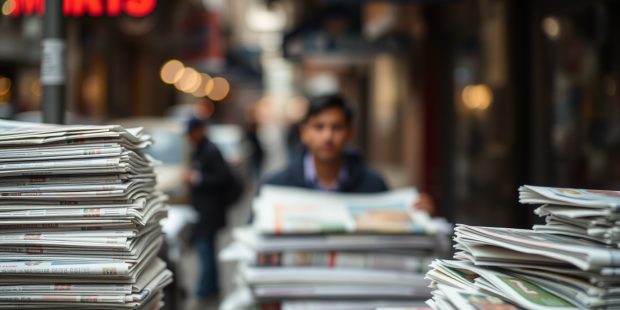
(473, 300)
(285, 210)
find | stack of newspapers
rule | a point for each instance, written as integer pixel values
(572, 261)
(79, 219)
(318, 250)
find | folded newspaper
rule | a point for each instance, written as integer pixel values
(341, 251)
(571, 262)
(285, 210)
(585, 198)
(79, 218)
(589, 214)
(307, 303)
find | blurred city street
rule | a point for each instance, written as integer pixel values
(463, 100)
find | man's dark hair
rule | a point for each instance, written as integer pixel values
(322, 103)
(194, 123)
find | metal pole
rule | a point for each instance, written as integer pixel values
(53, 63)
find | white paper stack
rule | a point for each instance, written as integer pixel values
(320, 250)
(560, 265)
(79, 219)
(588, 214)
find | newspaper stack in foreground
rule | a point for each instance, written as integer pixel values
(317, 250)
(79, 219)
(572, 261)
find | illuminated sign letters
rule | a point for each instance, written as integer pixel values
(134, 8)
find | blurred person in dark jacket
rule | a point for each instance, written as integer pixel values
(210, 178)
(257, 155)
(326, 162)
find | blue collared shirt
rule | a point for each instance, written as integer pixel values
(311, 177)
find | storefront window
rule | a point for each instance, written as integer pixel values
(584, 137)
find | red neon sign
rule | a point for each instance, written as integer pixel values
(76, 8)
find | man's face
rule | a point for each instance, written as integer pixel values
(326, 134)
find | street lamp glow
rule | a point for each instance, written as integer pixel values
(205, 87)
(220, 90)
(209, 87)
(552, 28)
(188, 79)
(194, 87)
(477, 97)
(170, 71)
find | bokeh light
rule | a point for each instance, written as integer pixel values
(220, 90)
(477, 97)
(194, 87)
(171, 71)
(188, 80)
(552, 28)
(205, 87)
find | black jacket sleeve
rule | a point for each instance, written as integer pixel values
(215, 172)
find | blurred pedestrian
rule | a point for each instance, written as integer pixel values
(210, 179)
(326, 162)
(257, 155)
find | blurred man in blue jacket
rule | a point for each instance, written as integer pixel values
(325, 162)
